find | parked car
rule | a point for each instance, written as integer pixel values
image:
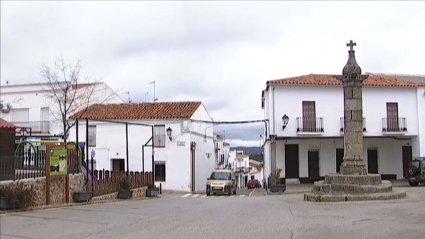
(253, 183)
(416, 172)
(221, 181)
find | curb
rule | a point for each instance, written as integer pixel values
(250, 194)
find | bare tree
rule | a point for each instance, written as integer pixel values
(68, 90)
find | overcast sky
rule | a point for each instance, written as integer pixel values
(220, 53)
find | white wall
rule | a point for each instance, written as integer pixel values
(33, 97)
(418, 144)
(389, 154)
(202, 135)
(329, 105)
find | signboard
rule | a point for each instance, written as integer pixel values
(58, 161)
(181, 143)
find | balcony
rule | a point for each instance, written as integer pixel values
(36, 126)
(394, 125)
(241, 170)
(310, 125)
(341, 129)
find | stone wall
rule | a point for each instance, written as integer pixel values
(57, 188)
(58, 193)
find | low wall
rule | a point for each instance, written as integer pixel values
(58, 189)
(138, 193)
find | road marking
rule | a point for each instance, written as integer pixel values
(196, 195)
(242, 196)
(186, 195)
(203, 196)
(252, 192)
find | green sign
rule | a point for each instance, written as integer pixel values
(58, 161)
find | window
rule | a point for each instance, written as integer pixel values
(160, 171)
(159, 135)
(92, 136)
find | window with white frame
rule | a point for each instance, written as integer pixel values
(92, 136)
(159, 135)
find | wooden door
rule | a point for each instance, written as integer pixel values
(392, 117)
(313, 164)
(309, 116)
(291, 161)
(372, 160)
(117, 164)
(407, 156)
(339, 158)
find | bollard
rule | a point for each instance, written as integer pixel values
(160, 188)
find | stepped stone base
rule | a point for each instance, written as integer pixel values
(340, 188)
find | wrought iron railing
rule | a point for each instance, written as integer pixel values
(36, 126)
(394, 125)
(32, 165)
(312, 125)
(342, 124)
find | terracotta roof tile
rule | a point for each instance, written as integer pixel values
(163, 110)
(6, 125)
(372, 80)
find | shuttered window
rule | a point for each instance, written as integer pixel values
(159, 136)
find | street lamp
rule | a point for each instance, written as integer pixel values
(169, 131)
(285, 120)
(24, 131)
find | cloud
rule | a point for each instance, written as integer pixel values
(221, 53)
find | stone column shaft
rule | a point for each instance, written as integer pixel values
(353, 129)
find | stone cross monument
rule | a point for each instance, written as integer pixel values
(353, 183)
(352, 79)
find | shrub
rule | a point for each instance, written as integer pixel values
(151, 186)
(275, 177)
(125, 183)
(20, 195)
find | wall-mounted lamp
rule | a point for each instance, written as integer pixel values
(208, 155)
(285, 120)
(169, 131)
(24, 131)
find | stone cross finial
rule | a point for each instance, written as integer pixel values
(351, 44)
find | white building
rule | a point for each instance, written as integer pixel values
(256, 170)
(239, 162)
(311, 144)
(221, 151)
(182, 162)
(27, 105)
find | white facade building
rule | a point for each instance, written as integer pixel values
(182, 162)
(27, 105)
(256, 171)
(221, 151)
(311, 144)
(240, 165)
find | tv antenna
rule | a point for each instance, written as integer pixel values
(128, 96)
(154, 98)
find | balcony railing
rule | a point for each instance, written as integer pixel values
(311, 125)
(242, 170)
(36, 126)
(342, 124)
(394, 125)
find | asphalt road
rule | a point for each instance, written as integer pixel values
(239, 216)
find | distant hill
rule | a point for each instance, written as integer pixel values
(254, 153)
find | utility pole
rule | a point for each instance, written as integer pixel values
(154, 99)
